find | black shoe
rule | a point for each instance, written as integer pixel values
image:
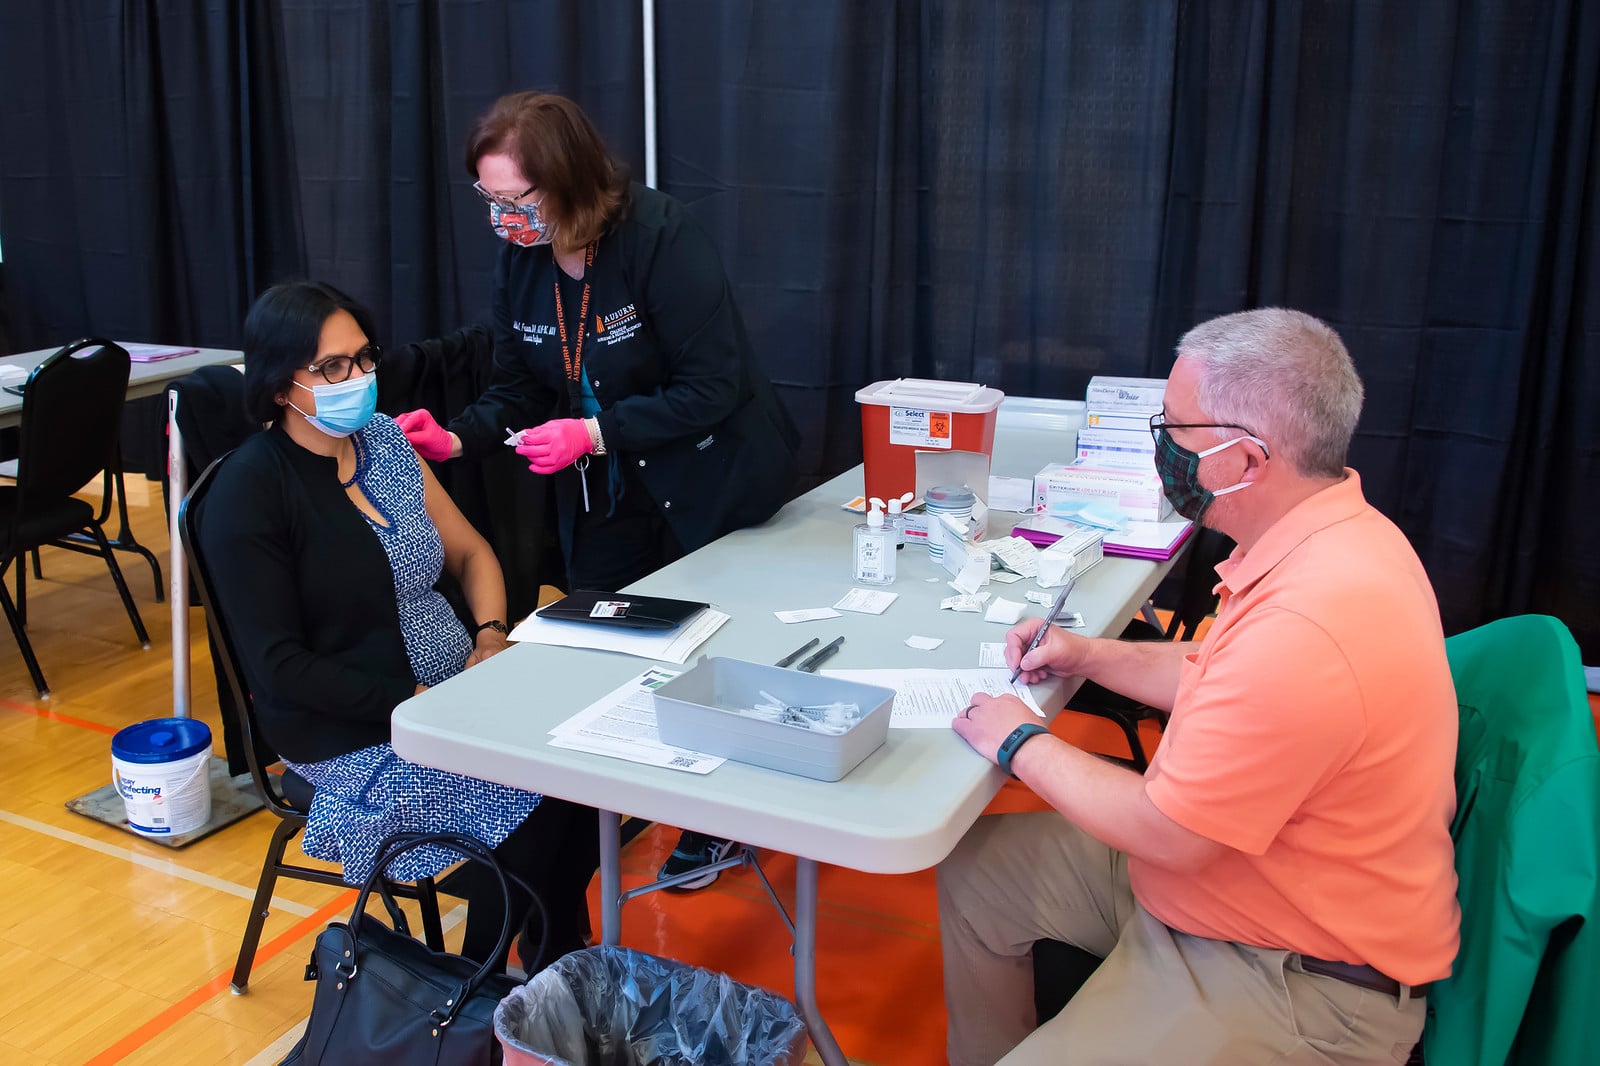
(695, 850)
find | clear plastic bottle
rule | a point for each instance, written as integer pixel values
(874, 549)
(896, 522)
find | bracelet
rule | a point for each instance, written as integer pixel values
(596, 441)
(494, 624)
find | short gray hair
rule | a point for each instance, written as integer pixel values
(1286, 376)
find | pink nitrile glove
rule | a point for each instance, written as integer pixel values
(428, 437)
(555, 445)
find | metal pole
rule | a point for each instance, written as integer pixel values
(647, 11)
(610, 878)
(805, 963)
(178, 567)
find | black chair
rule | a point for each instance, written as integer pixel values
(71, 417)
(1196, 600)
(288, 796)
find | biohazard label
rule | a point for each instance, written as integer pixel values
(919, 428)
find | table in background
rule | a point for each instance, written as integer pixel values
(149, 379)
(903, 809)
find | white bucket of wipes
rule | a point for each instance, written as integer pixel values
(161, 769)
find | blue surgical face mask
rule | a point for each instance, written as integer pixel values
(343, 408)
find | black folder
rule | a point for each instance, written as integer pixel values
(621, 610)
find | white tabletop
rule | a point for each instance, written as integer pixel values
(902, 809)
(144, 379)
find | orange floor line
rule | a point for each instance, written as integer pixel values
(56, 716)
(188, 1004)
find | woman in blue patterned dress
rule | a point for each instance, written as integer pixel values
(334, 534)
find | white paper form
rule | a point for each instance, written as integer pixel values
(930, 699)
(668, 646)
(992, 654)
(622, 724)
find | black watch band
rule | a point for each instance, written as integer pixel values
(1012, 743)
(494, 624)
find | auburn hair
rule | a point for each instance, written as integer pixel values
(562, 155)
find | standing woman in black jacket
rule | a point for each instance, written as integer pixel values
(621, 362)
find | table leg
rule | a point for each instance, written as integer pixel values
(178, 575)
(805, 963)
(610, 878)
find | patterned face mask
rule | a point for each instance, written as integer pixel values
(523, 226)
(1180, 473)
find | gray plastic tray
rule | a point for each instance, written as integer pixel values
(695, 710)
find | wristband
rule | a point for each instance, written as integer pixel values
(1012, 743)
(494, 624)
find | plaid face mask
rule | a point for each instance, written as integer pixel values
(1180, 474)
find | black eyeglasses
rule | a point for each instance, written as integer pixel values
(336, 368)
(504, 203)
(1159, 424)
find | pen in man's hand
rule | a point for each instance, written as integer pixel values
(811, 664)
(801, 650)
(1049, 620)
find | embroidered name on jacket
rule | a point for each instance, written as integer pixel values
(533, 332)
(619, 325)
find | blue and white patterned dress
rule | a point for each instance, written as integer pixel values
(366, 795)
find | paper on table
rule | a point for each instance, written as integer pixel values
(1148, 536)
(1005, 577)
(806, 614)
(864, 601)
(622, 724)
(7, 371)
(924, 643)
(929, 699)
(992, 655)
(1015, 554)
(1004, 611)
(669, 646)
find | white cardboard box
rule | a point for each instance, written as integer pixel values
(1133, 490)
(1131, 423)
(1126, 396)
(1120, 444)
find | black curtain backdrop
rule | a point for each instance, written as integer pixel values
(1019, 193)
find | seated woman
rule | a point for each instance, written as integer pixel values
(327, 535)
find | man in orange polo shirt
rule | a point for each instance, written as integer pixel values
(1279, 886)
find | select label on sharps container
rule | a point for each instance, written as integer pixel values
(919, 428)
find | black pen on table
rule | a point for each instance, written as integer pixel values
(801, 650)
(1049, 620)
(811, 664)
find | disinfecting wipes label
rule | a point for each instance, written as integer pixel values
(919, 428)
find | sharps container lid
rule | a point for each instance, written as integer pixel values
(161, 740)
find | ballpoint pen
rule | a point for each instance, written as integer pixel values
(811, 664)
(1049, 620)
(801, 650)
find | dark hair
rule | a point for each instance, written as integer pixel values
(281, 334)
(561, 154)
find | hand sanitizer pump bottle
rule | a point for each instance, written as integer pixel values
(874, 549)
(897, 521)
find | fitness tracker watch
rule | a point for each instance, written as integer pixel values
(1009, 746)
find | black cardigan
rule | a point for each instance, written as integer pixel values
(309, 599)
(685, 403)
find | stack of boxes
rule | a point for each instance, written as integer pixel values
(1115, 467)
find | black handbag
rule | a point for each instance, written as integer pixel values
(384, 997)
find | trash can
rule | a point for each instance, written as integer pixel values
(607, 1006)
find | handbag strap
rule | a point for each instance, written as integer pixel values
(472, 849)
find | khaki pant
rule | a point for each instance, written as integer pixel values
(1160, 996)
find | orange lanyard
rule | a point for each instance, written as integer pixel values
(573, 361)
